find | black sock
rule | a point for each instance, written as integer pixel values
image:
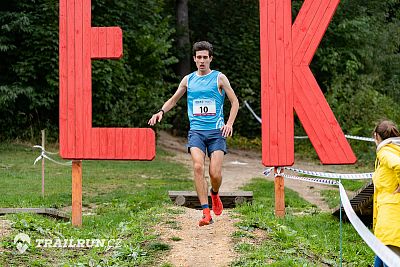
(213, 193)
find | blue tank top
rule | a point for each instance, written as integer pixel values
(205, 102)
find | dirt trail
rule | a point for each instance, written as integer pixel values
(194, 245)
(241, 166)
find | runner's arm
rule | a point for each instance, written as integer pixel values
(227, 129)
(170, 103)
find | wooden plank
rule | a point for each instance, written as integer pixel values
(221, 194)
(94, 42)
(44, 211)
(63, 79)
(338, 150)
(299, 28)
(266, 156)
(87, 79)
(362, 204)
(150, 141)
(310, 23)
(110, 44)
(71, 78)
(77, 193)
(111, 144)
(126, 144)
(102, 42)
(272, 89)
(118, 49)
(280, 84)
(119, 148)
(95, 136)
(103, 138)
(288, 84)
(330, 7)
(305, 119)
(229, 199)
(79, 127)
(310, 103)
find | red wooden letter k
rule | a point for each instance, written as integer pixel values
(287, 82)
(79, 43)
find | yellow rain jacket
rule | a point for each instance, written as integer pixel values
(386, 180)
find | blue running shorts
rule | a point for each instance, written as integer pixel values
(207, 140)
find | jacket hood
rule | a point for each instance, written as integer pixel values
(391, 140)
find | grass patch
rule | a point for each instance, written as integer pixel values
(127, 198)
(304, 237)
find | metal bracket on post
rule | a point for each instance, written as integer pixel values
(279, 193)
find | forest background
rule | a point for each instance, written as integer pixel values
(357, 65)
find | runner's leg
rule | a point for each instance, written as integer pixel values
(198, 157)
(215, 171)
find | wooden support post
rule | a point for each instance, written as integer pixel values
(77, 193)
(43, 144)
(279, 193)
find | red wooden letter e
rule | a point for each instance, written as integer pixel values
(79, 43)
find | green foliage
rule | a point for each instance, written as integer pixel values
(125, 92)
(356, 65)
(121, 201)
(233, 29)
(305, 237)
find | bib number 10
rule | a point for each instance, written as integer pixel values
(204, 107)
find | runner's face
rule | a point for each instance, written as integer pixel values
(202, 60)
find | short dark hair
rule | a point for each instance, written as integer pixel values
(203, 45)
(386, 129)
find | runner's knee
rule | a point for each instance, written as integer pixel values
(198, 167)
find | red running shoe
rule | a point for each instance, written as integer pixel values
(217, 206)
(206, 220)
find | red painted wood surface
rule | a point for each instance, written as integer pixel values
(287, 83)
(79, 43)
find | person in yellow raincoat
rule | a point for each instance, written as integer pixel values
(386, 181)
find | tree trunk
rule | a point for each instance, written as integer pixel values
(182, 40)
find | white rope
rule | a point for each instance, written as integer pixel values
(252, 111)
(361, 138)
(347, 176)
(44, 156)
(385, 254)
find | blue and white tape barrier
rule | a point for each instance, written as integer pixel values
(368, 139)
(308, 179)
(387, 256)
(346, 176)
(329, 175)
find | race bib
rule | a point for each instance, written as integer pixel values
(204, 107)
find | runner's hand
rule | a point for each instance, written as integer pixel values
(155, 118)
(227, 130)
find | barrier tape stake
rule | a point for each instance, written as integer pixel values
(43, 143)
(279, 193)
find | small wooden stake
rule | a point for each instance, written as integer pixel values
(279, 193)
(77, 193)
(43, 143)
